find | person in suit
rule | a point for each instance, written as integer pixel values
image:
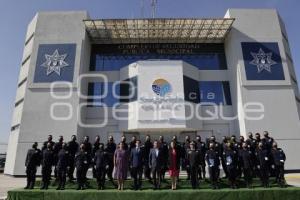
(165, 151)
(201, 147)
(62, 166)
(174, 164)
(81, 163)
(279, 160)
(121, 160)
(73, 148)
(101, 161)
(147, 146)
(88, 148)
(213, 161)
(110, 149)
(47, 163)
(193, 157)
(32, 161)
(156, 159)
(230, 156)
(262, 165)
(246, 163)
(136, 164)
(95, 148)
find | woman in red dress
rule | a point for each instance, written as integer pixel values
(174, 164)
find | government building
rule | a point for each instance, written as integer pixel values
(161, 76)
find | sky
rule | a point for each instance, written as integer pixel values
(16, 14)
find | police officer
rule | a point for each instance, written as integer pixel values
(279, 160)
(200, 146)
(62, 165)
(246, 159)
(81, 164)
(110, 149)
(223, 161)
(193, 158)
(217, 148)
(32, 161)
(88, 150)
(251, 143)
(185, 148)
(49, 140)
(147, 146)
(95, 148)
(262, 164)
(57, 147)
(123, 140)
(213, 162)
(101, 161)
(230, 156)
(47, 163)
(267, 144)
(257, 139)
(73, 147)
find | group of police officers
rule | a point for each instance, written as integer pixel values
(253, 157)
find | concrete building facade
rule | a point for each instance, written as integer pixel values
(219, 76)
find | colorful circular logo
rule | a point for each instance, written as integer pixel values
(161, 87)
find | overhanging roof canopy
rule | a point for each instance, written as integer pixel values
(158, 30)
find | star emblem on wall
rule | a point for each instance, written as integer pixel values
(55, 62)
(262, 60)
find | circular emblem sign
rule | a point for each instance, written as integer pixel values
(161, 87)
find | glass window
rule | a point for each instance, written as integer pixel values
(97, 89)
(217, 92)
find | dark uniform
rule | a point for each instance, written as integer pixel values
(46, 143)
(88, 149)
(185, 149)
(62, 165)
(246, 159)
(101, 161)
(231, 157)
(200, 146)
(164, 165)
(262, 165)
(213, 162)
(47, 163)
(279, 159)
(147, 146)
(32, 161)
(110, 149)
(81, 164)
(251, 143)
(57, 147)
(223, 161)
(193, 158)
(95, 148)
(73, 147)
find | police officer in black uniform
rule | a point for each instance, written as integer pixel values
(88, 150)
(81, 164)
(32, 161)
(49, 140)
(193, 158)
(257, 139)
(110, 149)
(47, 163)
(267, 144)
(101, 161)
(246, 159)
(262, 164)
(185, 148)
(73, 148)
(213, 161)
(95, 148)
(251, 143)
(57, 147)
(62, 166)
(217, 148)
(201, 147)
(223, 161)
(279, 160)
(147, 146)
(231, 157)
(123, 140)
